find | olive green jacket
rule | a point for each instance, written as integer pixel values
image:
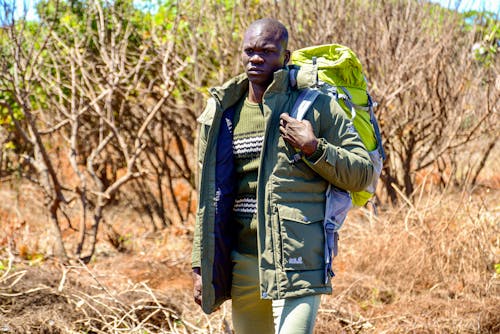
(290, 195)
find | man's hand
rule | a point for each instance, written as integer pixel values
(197, 285)
(298, 133)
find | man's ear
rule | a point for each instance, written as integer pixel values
(287, 57)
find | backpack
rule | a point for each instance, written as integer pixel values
(335, 70)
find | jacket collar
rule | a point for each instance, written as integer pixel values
(231, 91)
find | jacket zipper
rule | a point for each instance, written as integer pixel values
(261, 205)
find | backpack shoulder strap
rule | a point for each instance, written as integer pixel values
(303, 103)
(376, 128)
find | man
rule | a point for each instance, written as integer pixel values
(259, 235)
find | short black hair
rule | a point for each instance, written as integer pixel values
(279, 27)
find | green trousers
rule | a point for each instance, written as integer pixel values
(254, 315)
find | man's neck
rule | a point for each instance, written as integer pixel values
(255, 93)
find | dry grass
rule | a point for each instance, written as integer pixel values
(73, 300)
(426, 266)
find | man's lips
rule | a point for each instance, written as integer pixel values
(254, 70)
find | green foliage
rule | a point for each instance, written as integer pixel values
(35, 259)
(5, 114)
(49, 8)
(3, 265)
(486, 28)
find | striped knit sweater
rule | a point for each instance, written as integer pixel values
(248, 136)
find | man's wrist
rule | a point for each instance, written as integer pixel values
(311, 148)
(318, 153)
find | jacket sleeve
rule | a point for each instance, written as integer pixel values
(341, 157)
(203, 123)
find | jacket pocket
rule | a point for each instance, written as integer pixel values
(302, 236)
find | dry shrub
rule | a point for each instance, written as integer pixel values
(73, 299)
(436, 101)
(425, 267)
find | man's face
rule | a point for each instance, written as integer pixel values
(263, 54)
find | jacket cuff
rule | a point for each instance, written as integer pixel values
(195, 260)
(320, 150)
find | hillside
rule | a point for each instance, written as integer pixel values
(98, 109)
(425, 267)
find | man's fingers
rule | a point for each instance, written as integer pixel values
(197, 299)
(197, 296)
(286, 118)
(197, 286)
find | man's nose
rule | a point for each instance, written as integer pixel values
(256, 58)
